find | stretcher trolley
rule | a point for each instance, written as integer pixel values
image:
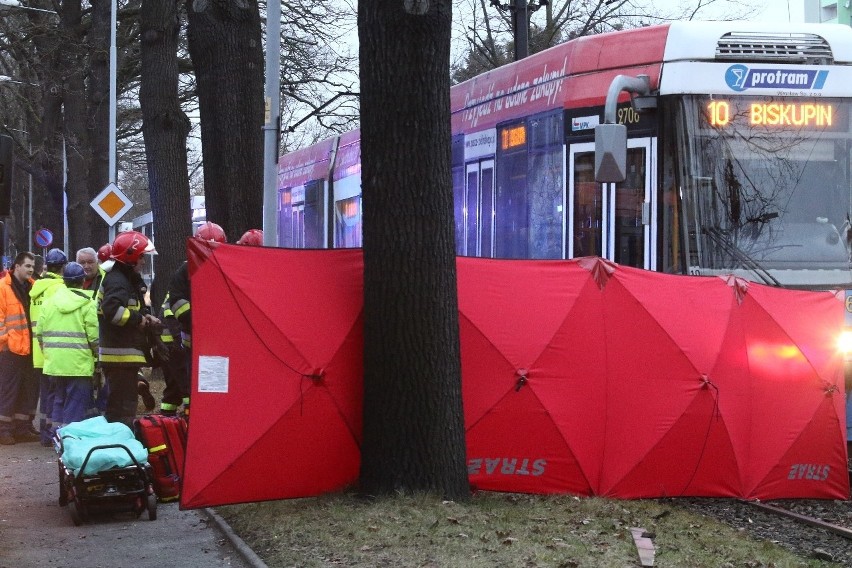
(104, 475)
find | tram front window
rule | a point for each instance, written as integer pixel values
(765, 188)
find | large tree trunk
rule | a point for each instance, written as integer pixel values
(413, 422)
(165, 128)
(43, 128)
(226, 50)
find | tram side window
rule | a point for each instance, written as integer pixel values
(285, 218)
(347, 210)
(545, 185)
(529, 194)
(588, 207)
(472, 213)
(314, 210)
(670, 250)
(348, 219)
(458, 189)
(511, 223)
(458, 198)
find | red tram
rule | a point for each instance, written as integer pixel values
(738, 160)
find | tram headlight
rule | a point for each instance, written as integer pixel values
(844, 344)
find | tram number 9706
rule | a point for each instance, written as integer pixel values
(627, 115)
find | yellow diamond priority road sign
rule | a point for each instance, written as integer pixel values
(111, 204)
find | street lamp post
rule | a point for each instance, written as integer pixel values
(113, 98)
(520, 10)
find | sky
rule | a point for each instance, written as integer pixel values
(767, 10)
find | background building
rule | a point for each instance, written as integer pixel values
(145, 225)
(829, 11)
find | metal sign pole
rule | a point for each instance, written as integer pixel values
(270, 129)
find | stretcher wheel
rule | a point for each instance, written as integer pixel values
(76, 513)
(152, 507)
(63, 491)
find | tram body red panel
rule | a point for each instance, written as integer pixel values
(585, 68)
(306, 164)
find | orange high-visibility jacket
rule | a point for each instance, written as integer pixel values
(14, 330)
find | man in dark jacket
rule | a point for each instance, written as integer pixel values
(88, 259)
(180, 300)
(123, 321)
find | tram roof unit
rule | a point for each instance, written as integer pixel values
(759, 42)
(756, 58)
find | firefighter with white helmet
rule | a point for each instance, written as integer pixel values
(123, 321)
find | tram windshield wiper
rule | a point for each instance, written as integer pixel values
(722, 240)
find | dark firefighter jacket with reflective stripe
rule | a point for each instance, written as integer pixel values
(170, 334)
(43, 288)
(180, 301)
(68, 333)
(14, 327)
(121, 306)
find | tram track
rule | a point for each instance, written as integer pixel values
(805, 519)
(811, 528)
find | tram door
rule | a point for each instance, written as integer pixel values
(612, 220)
(306, 216)
(297, 217)
(479, 209)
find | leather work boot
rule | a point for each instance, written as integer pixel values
(26, 437)
(145, 392)
(7, 439)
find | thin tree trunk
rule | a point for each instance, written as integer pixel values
(225, 46)
(413, 422)
(94, 231)
(165, 128)
(75, 134)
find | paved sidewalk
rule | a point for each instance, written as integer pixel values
(36, 532)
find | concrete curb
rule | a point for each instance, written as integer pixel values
(239, 544)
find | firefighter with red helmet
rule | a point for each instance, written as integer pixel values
(104, 253)
(123, 320)
(179, 307)
(252, 238)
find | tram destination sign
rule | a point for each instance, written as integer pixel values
(775, 114)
